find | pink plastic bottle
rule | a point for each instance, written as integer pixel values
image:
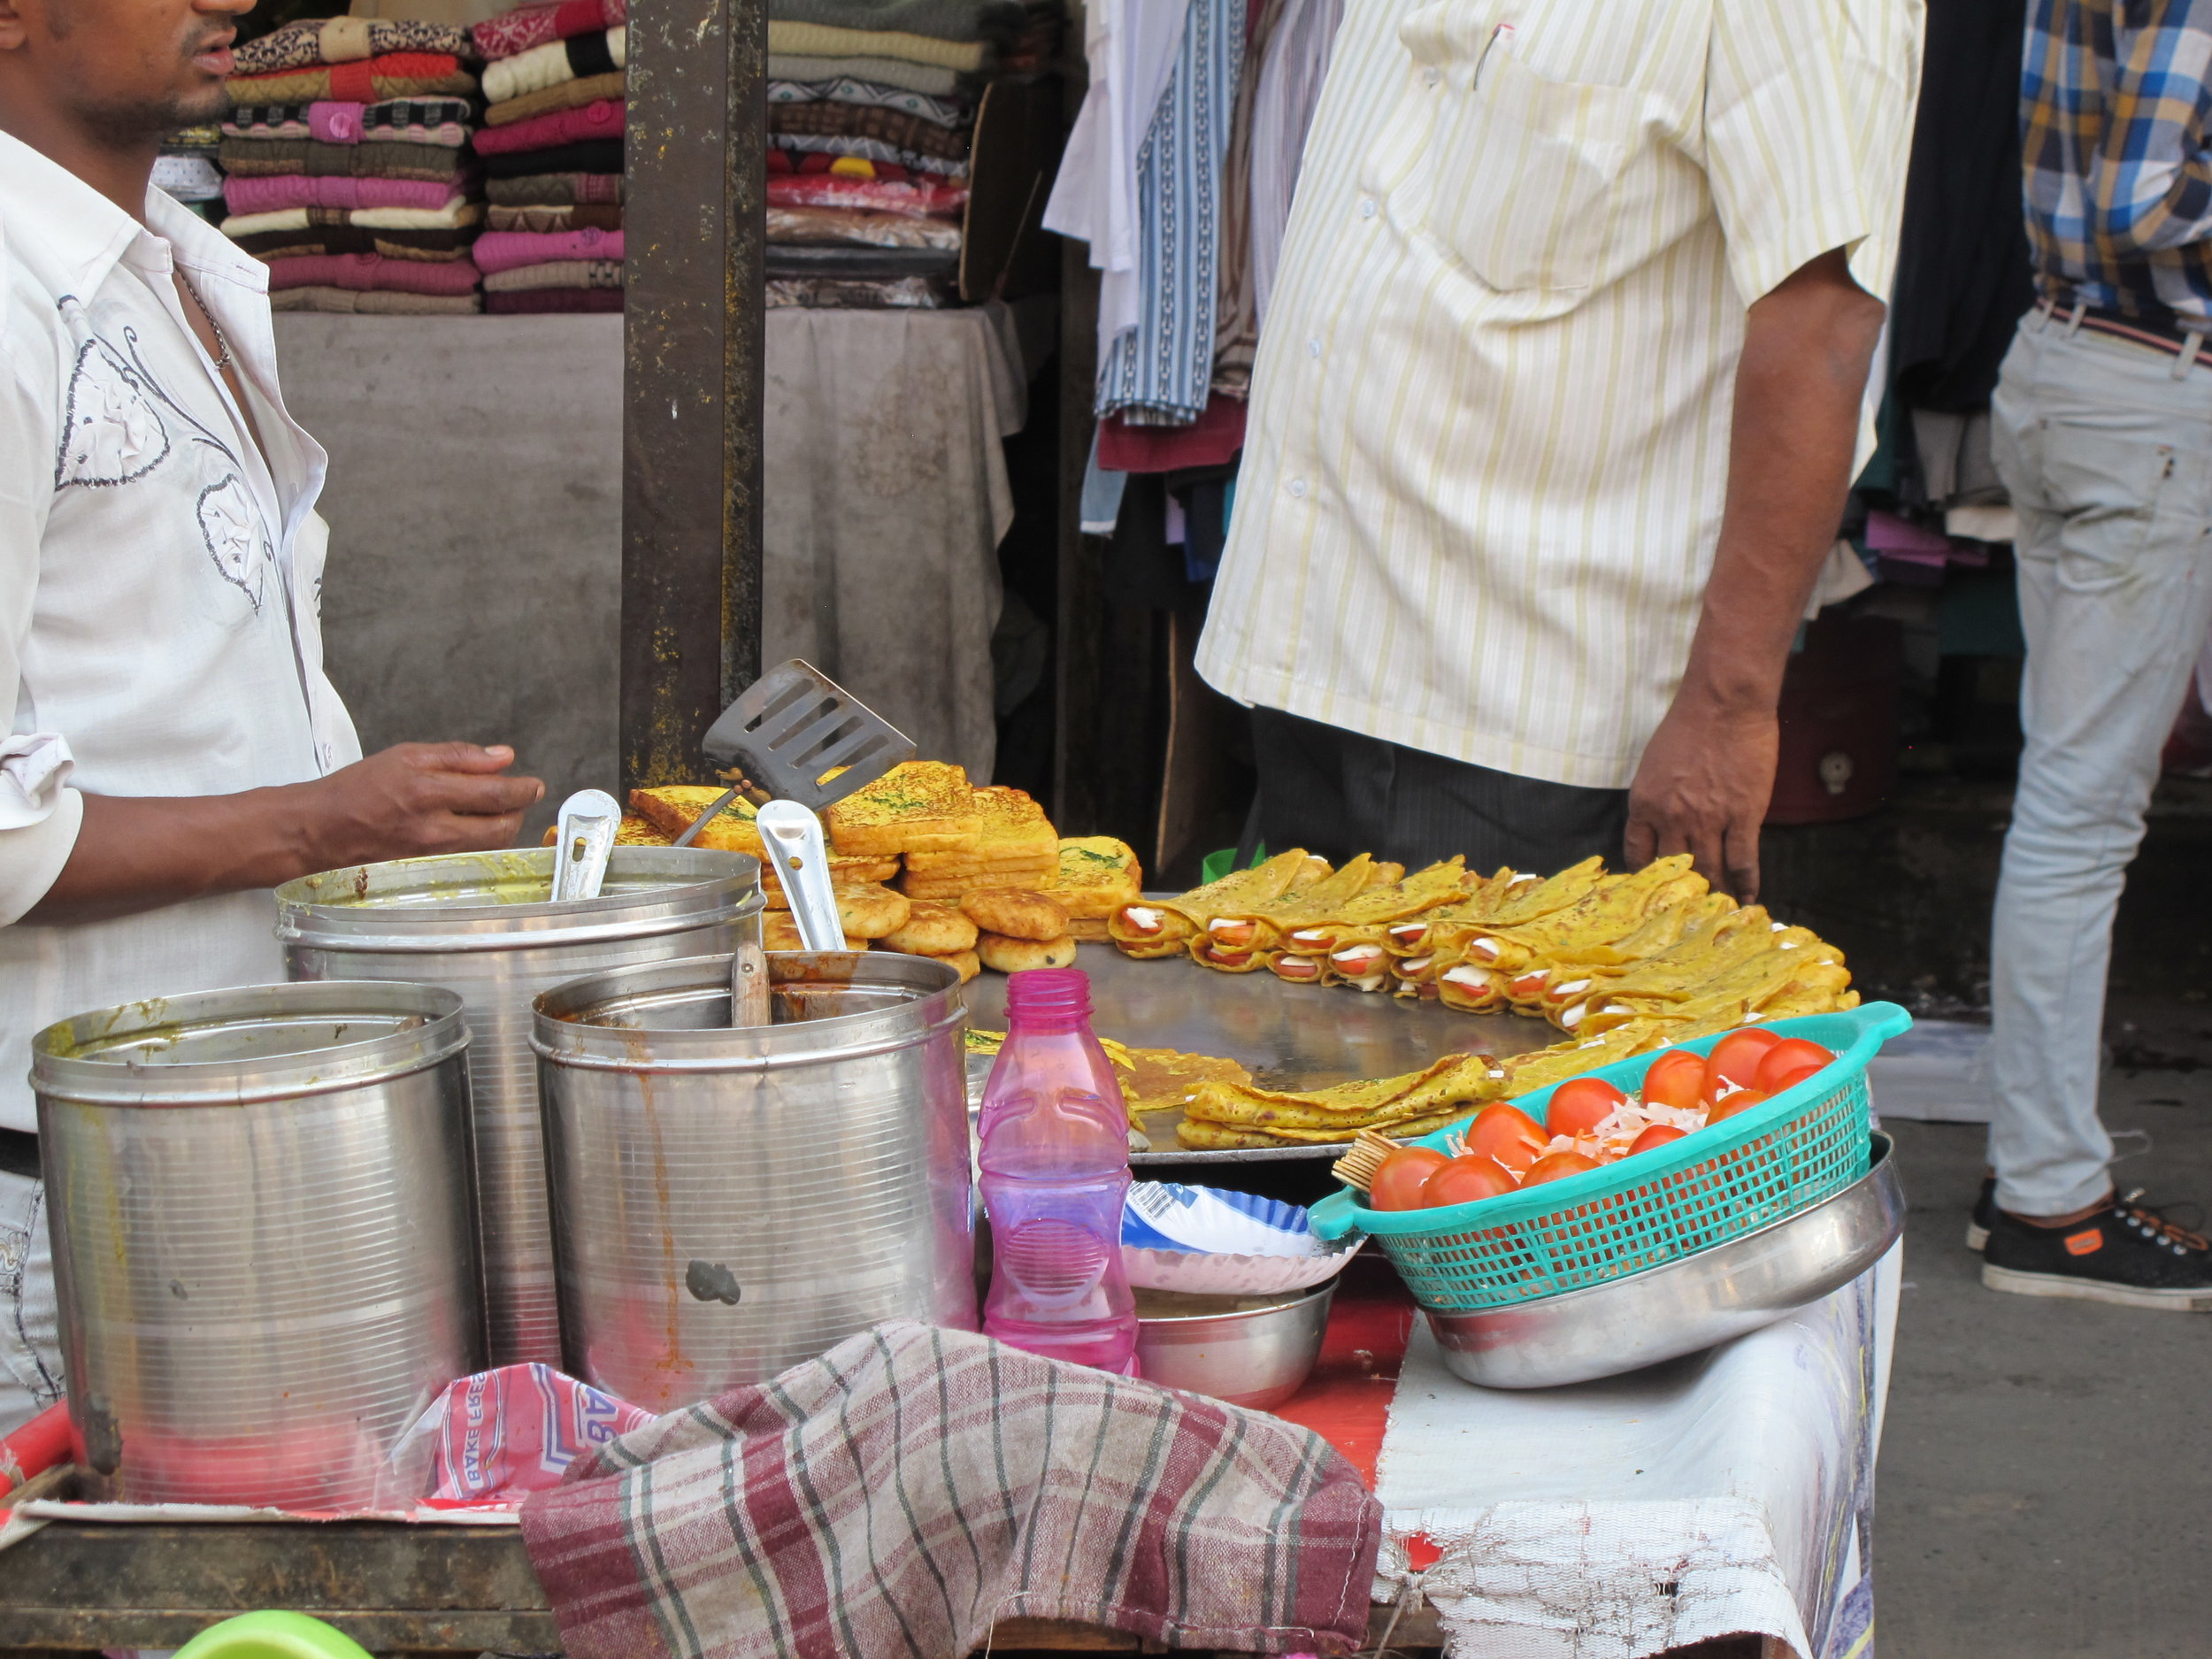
(1055, 1167)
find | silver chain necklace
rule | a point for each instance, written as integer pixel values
(223, 358)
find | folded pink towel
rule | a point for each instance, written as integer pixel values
(276, 196)
(518, 31)
(507, 250)
(372, 270)
(601, 118)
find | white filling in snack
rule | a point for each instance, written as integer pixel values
(1297, 968)
(1411, 934)
(1142, 917)
(1415, 964)
(1571, 987)
(1357, 959)
(1570, 1018)
(1368, 982)
(1310, 936)
(1467, 979)
(1486, 947)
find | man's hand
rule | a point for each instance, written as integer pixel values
(139, 853)
(410, 800)
(1704, 780)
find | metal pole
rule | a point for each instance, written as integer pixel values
(692, 360)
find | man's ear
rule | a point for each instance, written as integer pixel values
(12, 29)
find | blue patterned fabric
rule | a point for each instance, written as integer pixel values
(1157, 373)
(2115, 103)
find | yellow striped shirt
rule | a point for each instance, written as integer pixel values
(1488, 444)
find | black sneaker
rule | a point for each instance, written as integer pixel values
(1985, 1216)
(2127, 1254)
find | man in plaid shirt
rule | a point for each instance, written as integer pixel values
(2103, 436)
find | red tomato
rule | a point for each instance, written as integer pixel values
(1735, 1059)
(1676, 1078)
(1580, 1104)
(1397, 1183)
(1791, 1054)
(1792, 1077)
(1729, 1105)
(1558, 1166)
(1467, 1178)
(1508, 1134)
(1657, 1135)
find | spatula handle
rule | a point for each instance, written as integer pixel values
(793, 835)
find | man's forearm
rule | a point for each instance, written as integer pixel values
(1799, 388)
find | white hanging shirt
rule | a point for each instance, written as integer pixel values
(160, 584)
(1489, 434)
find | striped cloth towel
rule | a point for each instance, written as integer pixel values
(911, 1487)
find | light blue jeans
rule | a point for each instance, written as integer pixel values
(2106, 448)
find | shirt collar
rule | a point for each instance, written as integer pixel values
(56, 223)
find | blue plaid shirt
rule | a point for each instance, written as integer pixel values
(2116, 100)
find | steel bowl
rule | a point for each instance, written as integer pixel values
(1624, 1325)
(1257, 1358)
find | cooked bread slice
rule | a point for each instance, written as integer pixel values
(1014, 830)
(632, 832)
(869, 910)
(1096, 876)
(931, 930)
(921, 806)
(1015, 914)
(844, 872)
(670, 808)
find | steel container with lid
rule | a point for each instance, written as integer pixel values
(484, 925)
(729, 1204)
(263, 1251)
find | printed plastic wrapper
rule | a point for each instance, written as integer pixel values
(501, 1433)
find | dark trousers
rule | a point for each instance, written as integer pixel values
(1338, 793)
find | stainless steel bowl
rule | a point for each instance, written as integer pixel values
(1684, 1306)
(1257, 1358)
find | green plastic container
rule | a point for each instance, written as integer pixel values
(1806, 1144)
(271, 1635)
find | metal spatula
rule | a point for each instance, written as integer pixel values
(791, 725)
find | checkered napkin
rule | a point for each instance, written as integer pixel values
(913, 1486)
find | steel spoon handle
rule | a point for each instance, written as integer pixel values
(793, 835)
(584, 843)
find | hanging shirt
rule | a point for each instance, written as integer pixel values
(160, 584)
(1489, 432)
(2115, 105)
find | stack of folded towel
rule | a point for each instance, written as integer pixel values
(189, 168)
(551, 148)
(870, 119)
(347, 166)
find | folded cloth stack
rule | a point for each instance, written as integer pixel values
(189, 168)
(348, 167)
(552, 150)
(871, 119)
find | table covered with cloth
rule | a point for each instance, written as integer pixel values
(474, 499)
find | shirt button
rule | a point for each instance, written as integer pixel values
(1298, 488)
(1313, 348)
(1431, 76)
(1367, 207)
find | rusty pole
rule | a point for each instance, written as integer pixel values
(692, 370)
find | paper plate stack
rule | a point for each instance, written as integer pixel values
(1203, 1240)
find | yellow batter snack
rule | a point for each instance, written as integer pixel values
(778, 932)
(1366, 919)
(1096, 876)
(1456, 1082)
(965, 961)
(1162, 927)
(1016, 956)
(672, 808)
(931, 930)
(844, 872)
(1241, 940)
(634, 831)
(1015, 914)
(869, 910)
(920, 806)
(1088, 930)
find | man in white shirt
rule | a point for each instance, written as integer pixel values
(1557, 400)
(175, 751)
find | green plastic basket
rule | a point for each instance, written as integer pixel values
(1806, 1144)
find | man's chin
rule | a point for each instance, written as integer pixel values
(203, 105)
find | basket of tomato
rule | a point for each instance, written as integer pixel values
(1639, 1164)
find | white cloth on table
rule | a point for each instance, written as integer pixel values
(1726, 1493)
(887, 499)
(160, 581)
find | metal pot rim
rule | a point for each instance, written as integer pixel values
(307, 919)
(563, 1034)
(69, 1061)
(1189, 1321)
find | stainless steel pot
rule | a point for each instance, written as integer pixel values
(1258, 1357)
(729, 1204)
(262, 1245)
(484, 925)
(1664, 1312)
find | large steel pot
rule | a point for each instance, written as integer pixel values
(263, 1246)
(729, 1204)
(483, 925)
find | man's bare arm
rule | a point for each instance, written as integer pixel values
(1705, 778)
(136, 853)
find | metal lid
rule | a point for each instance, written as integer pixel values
(503, 901)
(255, 1043)
(673, 1016)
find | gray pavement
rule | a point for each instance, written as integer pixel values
(2046, 1476)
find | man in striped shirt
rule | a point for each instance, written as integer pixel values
(1562, 385)
(2103, 436)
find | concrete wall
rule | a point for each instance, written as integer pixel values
(475, 505)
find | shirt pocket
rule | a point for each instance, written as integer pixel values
(1523, 171)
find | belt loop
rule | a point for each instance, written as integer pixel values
(2043, 312)
(2189, 342)
(2073, 323)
